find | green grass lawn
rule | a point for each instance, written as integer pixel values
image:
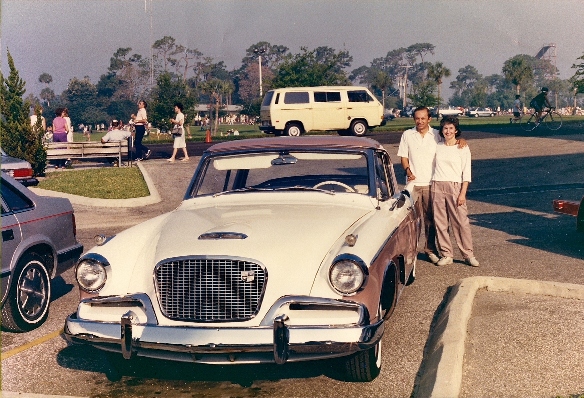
(105, 183)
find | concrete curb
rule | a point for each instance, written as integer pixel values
(154, 196)
(441, 369)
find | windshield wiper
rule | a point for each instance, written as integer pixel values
(301, 188)
(244, 189)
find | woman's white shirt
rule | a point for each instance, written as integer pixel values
(452, 163)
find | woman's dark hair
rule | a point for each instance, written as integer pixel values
(145, 104)
(450, 120)
(59, 112)
(179, 105)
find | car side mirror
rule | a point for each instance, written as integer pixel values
(400, 201)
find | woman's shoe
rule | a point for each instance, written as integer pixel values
(170, 160)
(184, 159)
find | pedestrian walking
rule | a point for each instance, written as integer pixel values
(178, 132)
(59, 132)
(140, 122)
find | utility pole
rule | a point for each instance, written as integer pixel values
(259, 52)
(405, 83)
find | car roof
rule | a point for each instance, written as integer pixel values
(322, 88)
(296, 143)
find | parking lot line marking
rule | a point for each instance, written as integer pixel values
(40, 340)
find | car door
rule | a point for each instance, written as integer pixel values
(11, 238)
(330, 113)
(400, 212)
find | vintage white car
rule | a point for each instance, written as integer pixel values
(284, 249)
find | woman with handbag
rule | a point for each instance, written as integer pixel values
(178, 132)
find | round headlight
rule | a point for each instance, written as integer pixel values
(91, 275)
(346, 276)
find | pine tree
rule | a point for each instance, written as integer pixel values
(16, 134)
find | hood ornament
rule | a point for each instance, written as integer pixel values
(222, 235)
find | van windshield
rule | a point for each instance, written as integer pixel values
(268, 98)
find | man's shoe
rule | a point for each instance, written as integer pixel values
(445, 261)
(433, 258)
(148, 153)
(139, 159)
(473, 262)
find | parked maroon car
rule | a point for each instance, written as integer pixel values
(38, 243)
(572, 208)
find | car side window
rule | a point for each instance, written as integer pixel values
(359, 96)
(327, 96)
(296, 97)
(15, 200)
(382, 184)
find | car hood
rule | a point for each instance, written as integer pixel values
(289, 236)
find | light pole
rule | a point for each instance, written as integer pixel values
(259, 52)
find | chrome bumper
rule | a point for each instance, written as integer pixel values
(275, 342)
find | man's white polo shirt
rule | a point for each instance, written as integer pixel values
(421, 152)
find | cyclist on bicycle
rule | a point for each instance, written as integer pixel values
(539, 101)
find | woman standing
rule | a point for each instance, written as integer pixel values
(179, 140)
(59, 132)
(69, 132)
(452, 174)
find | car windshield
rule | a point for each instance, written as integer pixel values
(272, 171)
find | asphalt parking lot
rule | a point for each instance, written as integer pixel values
(517, 344)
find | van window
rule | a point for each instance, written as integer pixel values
(268, 98)
(359, 96)
(296, 97)
(322, 96)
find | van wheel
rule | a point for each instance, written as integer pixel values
(293, 130)
(358, 128)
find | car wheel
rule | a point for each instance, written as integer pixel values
(476, 115)
(293, 130)
(27, 304)
(358, 128)
(363, 366)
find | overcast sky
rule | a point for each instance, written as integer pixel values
(76, 38)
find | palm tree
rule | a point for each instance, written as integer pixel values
(437, 72)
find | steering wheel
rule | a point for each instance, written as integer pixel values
(347, 187)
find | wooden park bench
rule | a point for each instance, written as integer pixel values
(87, 150)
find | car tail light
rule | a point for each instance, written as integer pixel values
(21, 173)
(566, 207)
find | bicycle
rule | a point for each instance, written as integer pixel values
(551, 118)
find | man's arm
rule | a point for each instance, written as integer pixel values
(405, 162)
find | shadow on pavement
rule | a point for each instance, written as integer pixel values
(138, 375)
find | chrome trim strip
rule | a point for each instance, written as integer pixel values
(137, 299)
(316, 303)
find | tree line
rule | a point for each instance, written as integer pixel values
(178, 73)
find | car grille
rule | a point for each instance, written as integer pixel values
(210, 290)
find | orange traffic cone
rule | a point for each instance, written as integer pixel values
(208, 136)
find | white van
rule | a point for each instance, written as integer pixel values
(296, 110)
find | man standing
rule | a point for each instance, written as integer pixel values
(140, 123)
(417, 150)
(517, 109)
